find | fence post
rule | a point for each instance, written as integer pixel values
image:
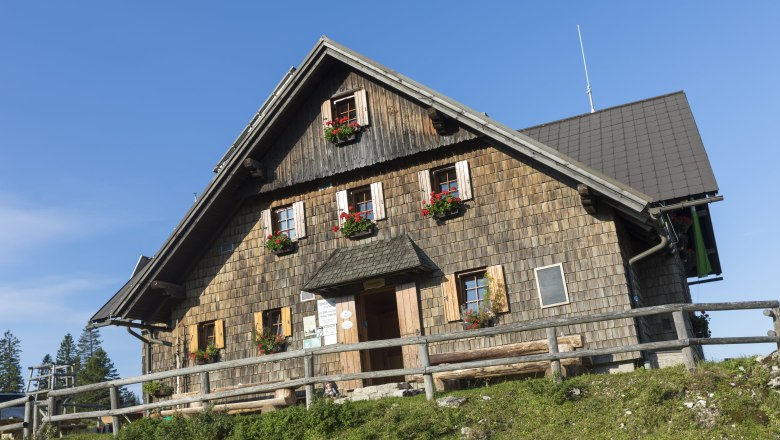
(775, 315)
(36, 416)
(29, 410)
(425, 362)
(114, 397)
(308, 373)
(51, 409)
(681, 326)
(205, 386)
(552, 344)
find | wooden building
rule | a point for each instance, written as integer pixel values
(569, 218)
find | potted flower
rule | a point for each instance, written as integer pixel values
(279, 243)
(356, 225)
(443, 205)
(340, 131)
(157, 389)
(487, 310)
(268, 342)
(700, 324)
(207, 356)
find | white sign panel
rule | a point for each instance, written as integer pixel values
(326, 314)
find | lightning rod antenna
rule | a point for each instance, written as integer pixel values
(587, 80)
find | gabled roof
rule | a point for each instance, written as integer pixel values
(220, 198)
(651, 145)
(381, 258)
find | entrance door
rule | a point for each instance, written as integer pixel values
(379, 320)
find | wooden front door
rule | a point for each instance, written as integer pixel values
(347, 333)
(408, 321)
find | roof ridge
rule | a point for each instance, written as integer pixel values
(557, 121)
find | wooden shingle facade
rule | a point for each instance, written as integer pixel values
(525, 210)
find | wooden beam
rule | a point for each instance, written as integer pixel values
(587, 198)
(175, 291)
(254, 167)
(503, 370)
(440, 121)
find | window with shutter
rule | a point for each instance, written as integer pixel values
(344, 115)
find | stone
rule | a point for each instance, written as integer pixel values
(774, 383)
(486, 397)
(451, 402)
(465, 432)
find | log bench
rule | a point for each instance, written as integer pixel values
(282, 397)
(445, 380)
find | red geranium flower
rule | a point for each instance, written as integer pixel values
(425, 212)
(343, 215)
(335, 229)
(278, 241)
(269, 236)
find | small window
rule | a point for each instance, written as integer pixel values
(551, 285)
(284, 221)
(307, 296)
(446, 179)
(361, 202)
(473, 290)
(345, 108)
(272, 321)
(206, 335)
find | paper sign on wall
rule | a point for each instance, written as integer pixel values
(326, 314)
(309, 326)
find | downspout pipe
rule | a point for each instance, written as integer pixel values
(148, 346)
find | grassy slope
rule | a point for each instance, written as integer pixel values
(646, 404)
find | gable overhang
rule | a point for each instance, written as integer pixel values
(221, 196)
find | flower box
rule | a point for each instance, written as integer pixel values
(162, 393)
(210, 360)
(358, 235)
(278, 349)
(469, 326)
(347, 140)
(284, 251)
(445, 215)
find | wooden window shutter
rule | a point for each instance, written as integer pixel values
(194, 338)
(464, 179)
(219, 333)
(361, 105)
(268, 226)
(342, 204)
(449, 290)
(498, 286)
(327, 111)
(286, 322)
(378, 198)
(300, 219)
(424, 177)
(258, 323)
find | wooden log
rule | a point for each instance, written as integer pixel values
(516, 349)
(286, 394)
(254, 167)
(172, 290)
(503, 370)
(308, 372)
(29, 410)
(233, 408)
(16, 402)
(13, 426)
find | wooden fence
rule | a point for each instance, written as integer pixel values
(36, 418)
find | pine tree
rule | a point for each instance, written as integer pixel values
(66, 355)
(127, 397)
(11, 380)
(98, 368)
(89, 342)
(43, 384)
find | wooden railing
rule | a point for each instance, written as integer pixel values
(684, 341)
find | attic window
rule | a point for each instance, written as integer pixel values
(345, 108)
(345, 115)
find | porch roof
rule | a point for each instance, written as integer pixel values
(377, 259)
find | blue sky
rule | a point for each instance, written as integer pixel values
(112, 114)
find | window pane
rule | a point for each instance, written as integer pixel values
(551, 287)
(471, 283)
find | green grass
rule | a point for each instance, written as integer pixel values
(642, 404)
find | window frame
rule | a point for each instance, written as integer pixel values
(351, 201)
(352, 114)
(539, 289)
(436, 172)
(291, 221)
(479, 274)
(203, 338)
(276, 327)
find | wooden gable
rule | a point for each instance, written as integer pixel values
(399, 126)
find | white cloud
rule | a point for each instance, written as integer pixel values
(25, 228)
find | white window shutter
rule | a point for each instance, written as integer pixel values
(300, 219)
(425, 186)
(464, 179)
(327, 112)
(342, 204)
(378, 198)
(268, 226)
(361, 105)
